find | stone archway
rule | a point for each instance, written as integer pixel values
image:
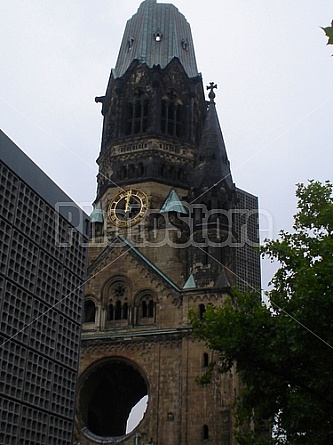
(107, 393)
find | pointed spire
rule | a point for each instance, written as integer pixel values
(97, 214)
(173, 204)
(190, 283)
(213, 166)
(222, 281)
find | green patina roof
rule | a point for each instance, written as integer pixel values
(190, 283)
(156, 34)
(173, 204)
(97, 214)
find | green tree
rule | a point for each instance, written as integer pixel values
(329, 33)
(283, 350)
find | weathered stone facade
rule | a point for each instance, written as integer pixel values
(163, 351)
(165, 239)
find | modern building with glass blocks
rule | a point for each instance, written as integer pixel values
(43, 251)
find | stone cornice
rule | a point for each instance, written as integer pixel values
(132, 340)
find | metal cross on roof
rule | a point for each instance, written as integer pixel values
(211, 94)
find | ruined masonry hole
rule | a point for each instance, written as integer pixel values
(113, 398)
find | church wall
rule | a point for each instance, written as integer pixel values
(178, 408)
(159, 135)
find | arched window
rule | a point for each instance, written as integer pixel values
(122, 172)
(181, 175)
(147, 309)
(140, 170)
(129, 119)
(117, 307)
(172, 173)
(131, 170)
(172, 114)
(89, 311)
(146, 306)
(137, 114)
(164, 171)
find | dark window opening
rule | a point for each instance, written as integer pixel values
(164, 171)
(144, 309)
(131, 171)
(172, 173)
(151, 309)
(125, 311)
(205, 360)
(110, 312)
(202, 310)
(137, 116)
(122, 173)
(129, 118)
(185, 44)
(117, 314)
(118, 306)
(130, 42)
(89, 311)
(147, 308)
(181, 175)
(171, 118)
(140, 170)
(205, 432)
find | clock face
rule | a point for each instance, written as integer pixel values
(128, 208)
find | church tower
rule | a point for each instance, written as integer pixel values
(170, 232)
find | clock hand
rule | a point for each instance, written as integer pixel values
(127, 201)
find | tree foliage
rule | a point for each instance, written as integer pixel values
(328, 30)
(283, 351)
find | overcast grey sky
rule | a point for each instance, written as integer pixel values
(269, 58)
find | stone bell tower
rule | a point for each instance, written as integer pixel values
(170, 233)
